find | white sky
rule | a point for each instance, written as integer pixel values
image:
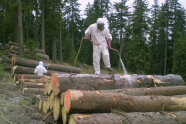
(129, 3)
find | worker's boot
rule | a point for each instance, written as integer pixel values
(110, 70)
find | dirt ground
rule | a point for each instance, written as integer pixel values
(16, 108)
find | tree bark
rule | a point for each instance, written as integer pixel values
(129, 118)
(54, 48)
(7, 67)
(43, 56)
(20, 29)
(15, 47)
(34, 63)
(94, 101)
(43, 26)
(27, 70)
(60, 47)
(63, 82)
(32, 91)
(163, 91)
(7, 60)
(33, 85)
(28, 76)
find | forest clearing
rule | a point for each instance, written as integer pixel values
(66, 95)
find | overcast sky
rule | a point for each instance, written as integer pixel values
(129, 3)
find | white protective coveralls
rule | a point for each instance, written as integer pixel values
(99, 41)
(40, 69)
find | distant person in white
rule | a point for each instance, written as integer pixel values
(101, 39)
(40, 69)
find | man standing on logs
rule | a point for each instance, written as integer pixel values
(101, 38)
(40, 69)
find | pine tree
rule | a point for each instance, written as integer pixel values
(179, 55)
(154, 37)
(138, 51)
(122, 20)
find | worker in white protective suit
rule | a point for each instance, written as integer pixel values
(40, 69)
(101, 38)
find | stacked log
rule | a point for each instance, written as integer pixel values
(54, 67)
(62, 82)
(7, 63)
(60, 101)
(33, 86)
(12, 49)
(130, 118)
(78, 101)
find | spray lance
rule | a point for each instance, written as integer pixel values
(122, 64)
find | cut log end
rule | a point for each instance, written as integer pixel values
(45, 106)
(56, 108)
(67, 101)
(64, 116)
(62, 99)
(40, 104)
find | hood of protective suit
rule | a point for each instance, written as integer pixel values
(100, 21)
(41, 63)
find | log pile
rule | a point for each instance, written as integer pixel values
(129, 95)
(32, 84)
(18, 65)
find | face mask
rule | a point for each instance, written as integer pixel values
(100, 26)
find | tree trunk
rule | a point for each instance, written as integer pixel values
(16, 24)
(43, 26)
(54, 48)
(20, 29)
(63, 82)
(60, 46)
(34, 63)
(95, 101)
(129, 118)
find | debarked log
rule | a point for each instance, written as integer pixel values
(118, 117)
(62, 82)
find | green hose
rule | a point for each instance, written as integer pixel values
(78, 51)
